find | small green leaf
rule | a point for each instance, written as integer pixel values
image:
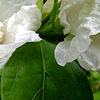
(54, 13)
(33, 74)
(40, 4)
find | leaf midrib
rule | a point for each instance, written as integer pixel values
(44, 78)
(44, 70)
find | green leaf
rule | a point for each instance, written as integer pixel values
(54, 13)
(33, 74)
(40, 4)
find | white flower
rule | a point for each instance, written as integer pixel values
(81, 19)
(19, 20)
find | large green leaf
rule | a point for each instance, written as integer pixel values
(33, 74)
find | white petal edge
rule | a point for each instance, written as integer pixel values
(62, 52)
(6, 52)
(71, 48)
(28, 16)
(65, 6)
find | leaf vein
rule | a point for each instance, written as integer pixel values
(17, 72)
(53, 79)
(37, 93)
(44, 69)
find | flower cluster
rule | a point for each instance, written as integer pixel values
(81, 19)
(20, 20)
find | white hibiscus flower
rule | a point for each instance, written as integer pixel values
(19, 20)
(81, 19)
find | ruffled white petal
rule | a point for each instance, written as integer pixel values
(71, 48)
(77, 12)
(8, 7)
(23, 24)
(62, 51)
(66, 5)
(19, 29)
(90, 60)
(29, 17)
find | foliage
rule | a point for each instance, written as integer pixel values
(94, 80)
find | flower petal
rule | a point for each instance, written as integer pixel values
(23, 35)
(90, 60)
(79, 15)
(6, 52)
(71, 48)
(67, 3)
(23, 24)
(8, 7)
(28, 16)
(65, 6)
(62, 51)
